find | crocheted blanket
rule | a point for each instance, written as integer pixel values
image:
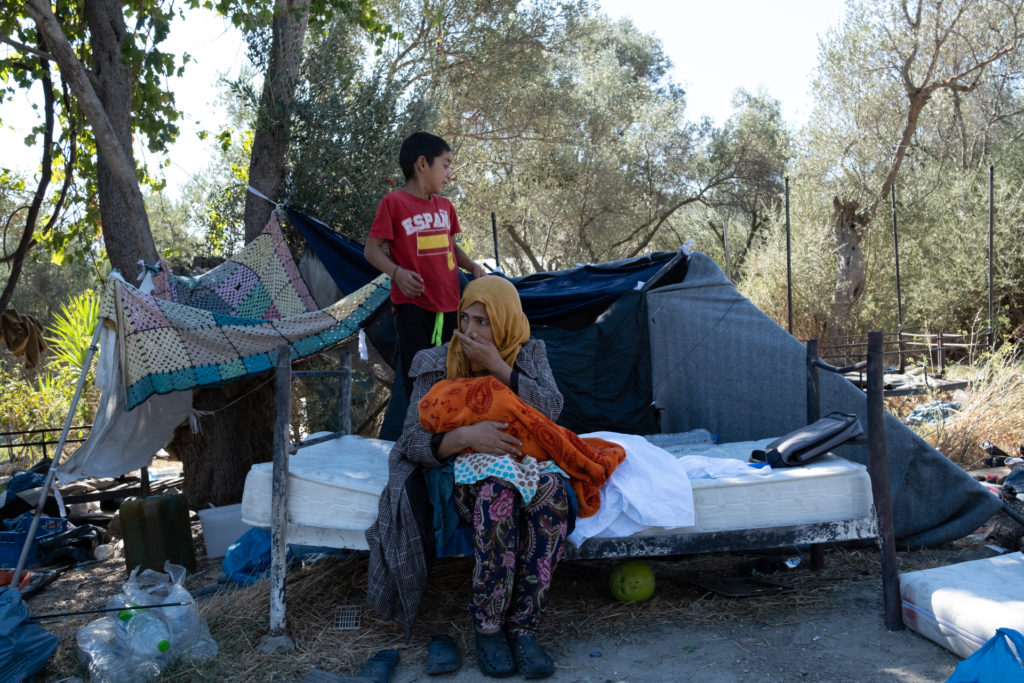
(225, 324)
(589, 462)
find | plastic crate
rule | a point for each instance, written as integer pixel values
(11, 542)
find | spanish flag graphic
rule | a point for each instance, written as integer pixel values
(432, 242)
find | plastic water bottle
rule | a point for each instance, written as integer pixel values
(147, 630)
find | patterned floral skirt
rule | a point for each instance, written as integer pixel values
(516, 548)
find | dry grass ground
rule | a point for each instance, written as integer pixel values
(581, 607)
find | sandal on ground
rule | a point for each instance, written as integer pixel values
(442, 656)
(379, 667)
(493, 656)
(531, 659)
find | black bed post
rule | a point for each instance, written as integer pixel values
(813, 415)
(878, 470)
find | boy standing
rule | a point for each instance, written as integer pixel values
(418, 226)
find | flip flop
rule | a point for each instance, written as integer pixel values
(493, 656)
(531, 659)
(379, 667)
(442, 656)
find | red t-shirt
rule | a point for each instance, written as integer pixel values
(419, 235)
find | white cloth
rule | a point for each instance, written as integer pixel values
(709, 461)
(121, 441)
(648, 489)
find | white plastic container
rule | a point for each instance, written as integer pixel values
(222, 526)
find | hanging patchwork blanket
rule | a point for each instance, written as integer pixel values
(226, 324)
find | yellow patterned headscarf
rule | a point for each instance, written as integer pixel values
(509, 325)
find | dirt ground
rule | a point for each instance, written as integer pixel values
(817, 626)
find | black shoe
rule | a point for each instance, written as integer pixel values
(442, 656)
(379, 667)
(493, 656)
(531, 659)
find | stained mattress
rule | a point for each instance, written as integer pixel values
(334, 487)
(960, 606)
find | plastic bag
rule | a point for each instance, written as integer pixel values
(24, 648)
(247, 560)
(108, 648)
(993, 662)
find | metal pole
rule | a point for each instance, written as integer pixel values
(789, 265)
(725, 245)
(813, 395)
(991, 229)
(494, 233)
(279, 490)
(52, 473)
(899, 296)
(878, 470)
(345, 392)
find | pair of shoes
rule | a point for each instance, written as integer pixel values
(442, 656)
(493, 656)
(379, 667)
(531, 659)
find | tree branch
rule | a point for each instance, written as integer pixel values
(21, 47)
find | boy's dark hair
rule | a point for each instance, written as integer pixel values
(418, 145)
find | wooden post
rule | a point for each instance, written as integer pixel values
(279, 509)
(878, 470)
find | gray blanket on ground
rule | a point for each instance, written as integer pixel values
(720, 363)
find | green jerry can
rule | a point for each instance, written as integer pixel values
(157, 529)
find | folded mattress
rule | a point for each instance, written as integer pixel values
(334, 487)
(960, 606)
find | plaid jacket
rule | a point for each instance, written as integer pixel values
(398, 568)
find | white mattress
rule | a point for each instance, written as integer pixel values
(960, 606)
(333, 490)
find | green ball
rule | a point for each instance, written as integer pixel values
(632, 581)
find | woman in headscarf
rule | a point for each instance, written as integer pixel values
(516, 542)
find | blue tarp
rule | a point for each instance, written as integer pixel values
(550, 298)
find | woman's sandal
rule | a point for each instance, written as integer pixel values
(493, 656)
(531, 659)
(442, 656)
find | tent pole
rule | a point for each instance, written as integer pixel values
(899, 296)
(789, 265)
(494, 233)
(52, 473)
(991, 229)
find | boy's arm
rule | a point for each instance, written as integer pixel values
(466, 263)
(409, 281)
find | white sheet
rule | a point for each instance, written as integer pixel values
(648, 489)
(122, 441)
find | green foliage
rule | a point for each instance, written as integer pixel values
(72, 329)
(43, 403)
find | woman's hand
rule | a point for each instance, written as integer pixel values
(483, 353)
(487, 436)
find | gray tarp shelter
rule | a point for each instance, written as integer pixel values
(718, 362)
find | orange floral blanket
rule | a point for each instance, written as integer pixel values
(589, 462)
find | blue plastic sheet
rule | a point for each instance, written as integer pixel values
(24, 648)
(993, 662)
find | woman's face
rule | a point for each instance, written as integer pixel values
(475, 323)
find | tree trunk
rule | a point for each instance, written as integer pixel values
(273, 126)
(125, 243)
(216, 460)
(851, 277)
(113, 142)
